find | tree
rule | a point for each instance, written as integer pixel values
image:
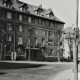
(59, 32)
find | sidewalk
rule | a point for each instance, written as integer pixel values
(66, 75)
(37, 62)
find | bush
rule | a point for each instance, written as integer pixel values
(20, 58)
(65, 59)
(49, 59)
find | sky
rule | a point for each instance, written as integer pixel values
(65, 10)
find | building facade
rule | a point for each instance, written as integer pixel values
(68, 39)
(27, 28)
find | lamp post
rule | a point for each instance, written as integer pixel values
(75, 44)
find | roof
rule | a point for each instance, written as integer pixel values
(68, 32)
(1, 3)
(68, 29)
(31, 9)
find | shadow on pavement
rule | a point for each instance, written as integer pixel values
(6, 65)
(1, 73)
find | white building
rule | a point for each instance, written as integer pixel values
(67, 37)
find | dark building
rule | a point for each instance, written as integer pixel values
(27, 28)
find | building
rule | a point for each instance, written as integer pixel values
(25, 27)
(68, 37)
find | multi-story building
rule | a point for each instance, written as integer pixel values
(68, 38)
(27, 27)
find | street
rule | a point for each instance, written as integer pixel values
(32, 70)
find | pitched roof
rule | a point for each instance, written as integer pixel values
(68, 29)
(31, 9)
(69, 32)
(23, 4)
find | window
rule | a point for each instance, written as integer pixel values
(52, 24)
(40, 32)
(20, 28)
(23, 9)
(47, 23)
(20, 40)
(51, 42)
(48, 15)
(36, 31)
(9, 15)
(4, 4)
(36, 20)
(39, 21)
(51, 33)
(36, 41)
(43, 42)
(20, 17)
(43, 32)
(7, 5)
(43, 22)
(33, 19)
(8, 48)
(51, 52)
(9, 38)
(29, 19)
(9, 27)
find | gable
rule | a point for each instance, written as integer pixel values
(24, 5)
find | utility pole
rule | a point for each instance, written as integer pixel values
(69, 44)
(75, 44)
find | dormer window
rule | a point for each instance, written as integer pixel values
(8, 3)
(4, 4)
(23, 7)
(39, 10)
(50, 13)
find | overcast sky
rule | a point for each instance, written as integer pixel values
(65, 10)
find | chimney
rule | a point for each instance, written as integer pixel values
(40, 5)
(50, 9)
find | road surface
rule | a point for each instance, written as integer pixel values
(32, 71)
